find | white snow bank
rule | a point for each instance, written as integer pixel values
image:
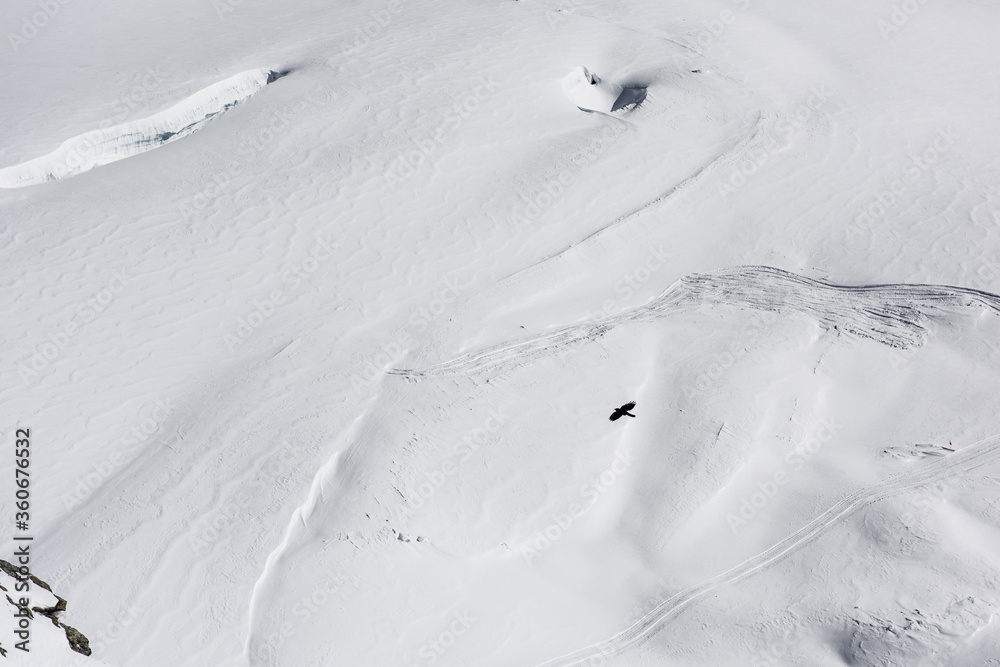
(589, 92)
(98, 147)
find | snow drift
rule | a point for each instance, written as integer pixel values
(99, 147)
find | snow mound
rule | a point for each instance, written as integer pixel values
(589, 92)
(99, 147)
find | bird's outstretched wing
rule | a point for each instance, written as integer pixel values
(622, 411)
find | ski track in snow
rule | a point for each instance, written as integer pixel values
(104, 146)
(752, 137)
(894, 315)
(964, 460)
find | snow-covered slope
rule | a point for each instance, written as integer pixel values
(328, 382)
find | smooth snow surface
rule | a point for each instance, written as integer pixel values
(329, 381)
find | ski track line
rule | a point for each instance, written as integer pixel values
(966, 459)
(752, 136)
(893, 314)
(729, 156)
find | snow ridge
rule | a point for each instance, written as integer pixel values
(299, 516)
(99, 147)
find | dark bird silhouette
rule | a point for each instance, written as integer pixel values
(622, 411)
